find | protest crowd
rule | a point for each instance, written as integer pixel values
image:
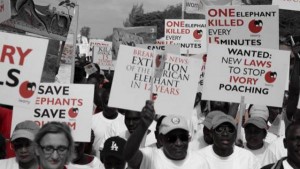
(160, 116)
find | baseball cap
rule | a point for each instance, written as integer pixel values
(258, 122)
(208, 119)
(26, 129)
(259, 111)
(223, 118)
(172, 122)
(114, 146)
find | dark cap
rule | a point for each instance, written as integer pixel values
(114, 146)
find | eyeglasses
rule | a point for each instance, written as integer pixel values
(173, 138)
(221, 130)
(48, 150)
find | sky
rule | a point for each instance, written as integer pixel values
(104, 15)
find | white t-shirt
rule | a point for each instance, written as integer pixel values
(95, 164)
(10, 163)
(274, 152)
(100, 125)
(240, 158)
(259, 153)
(154, 158)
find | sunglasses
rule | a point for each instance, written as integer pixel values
(173, 138)
(221, 130)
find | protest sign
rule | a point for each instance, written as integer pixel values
(194, 6)
(122, 37)
(68, 103)
(102, 55)
(189, 33)
(5, 11)
(42, 17)
(293, 5)
(174, 49)
(258, 74)
(248, 25)
(175, 91)
(21, 61)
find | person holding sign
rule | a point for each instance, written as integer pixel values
(174, 137)
(223, 153)
(22, 143)
(54, 146)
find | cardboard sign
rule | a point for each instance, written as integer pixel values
(121, 37)
(5, 11)
(256, 73)
(256, 26)
(175, 91)
(21, 61)
(287, 4)
(194, 6)
(190, 34)
(148, 33)
(68, 103)
(102, 55)
(42, 17)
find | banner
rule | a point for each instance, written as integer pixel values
(258, 74)
(121, 37)
(293, 5)
(21, 61)
(68, 103)
(102, 55)
(148, 33)
(174, 49)
(175, 91)
(41, 17)
(5, 11)
(256, 25)
(190, 34)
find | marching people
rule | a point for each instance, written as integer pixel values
(174, 137)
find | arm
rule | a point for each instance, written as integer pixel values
(293, 88)
(131, 153)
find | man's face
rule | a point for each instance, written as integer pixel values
(175, 144)
(132, 120)
(292, 144)
(79, 151)
(224, 136)
(53, 151)
(254, 136)
(24, 150)
(111, 162)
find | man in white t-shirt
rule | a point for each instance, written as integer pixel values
(174, 137)
(223, 153)
(292, 144)
(255, 133)
(22, 141)
(102, 121)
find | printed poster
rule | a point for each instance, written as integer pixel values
(175, 91)
(248, 25)
(234, 71)
(68, 103)
(190, 34)
(21, 61)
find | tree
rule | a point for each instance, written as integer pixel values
(136, 10)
